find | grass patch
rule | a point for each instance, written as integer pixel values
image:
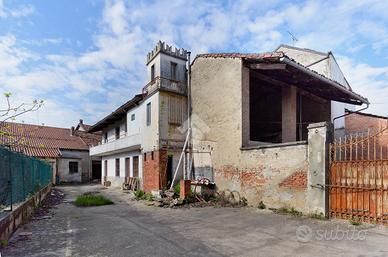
(177, 189)
(149, 197)
(292, 211)
(318, 216)
(355, 222)
(91, 200)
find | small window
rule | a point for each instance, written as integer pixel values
(145, 157)
(117, 132)
(73, 167)
(117, 167)
(152, 155)
(173, 68)
(125, 127)
(105, 137)
(153, 72)
(148, 114)
(133, 117)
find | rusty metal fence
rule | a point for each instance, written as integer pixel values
(359, 177)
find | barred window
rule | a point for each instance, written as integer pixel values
(176, 110)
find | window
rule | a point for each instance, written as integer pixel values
(153, 72)
(148, 114)
(145, 157)
(117, 167)
(133, 117)
(117, 132)
(152, 155)
(73, 167)
(105, 137)
(173, 69)
(125, 127)
(105, 168)
(176, 110)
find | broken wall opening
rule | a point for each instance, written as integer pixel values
(279, 112)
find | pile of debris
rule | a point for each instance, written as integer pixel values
(203, 193)
(54, 197)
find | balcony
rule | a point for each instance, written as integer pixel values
(166, 84)
(125, 143)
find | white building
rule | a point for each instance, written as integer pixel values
(143, 138)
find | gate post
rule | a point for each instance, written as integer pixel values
(320, 135)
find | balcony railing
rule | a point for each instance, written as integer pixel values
(117, 145)
(167, 84)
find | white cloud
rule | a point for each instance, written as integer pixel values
(17, 12)
(369, 81)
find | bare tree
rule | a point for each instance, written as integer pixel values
(10, 112)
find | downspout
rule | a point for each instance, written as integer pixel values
(189, 159)
(346, 114)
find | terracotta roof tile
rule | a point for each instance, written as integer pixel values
(39, 141)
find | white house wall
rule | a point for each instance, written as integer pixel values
(111, 173)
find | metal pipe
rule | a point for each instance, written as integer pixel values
(346, 114)
(180, 159)
(188, 173)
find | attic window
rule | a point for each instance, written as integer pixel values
(173, 71)
(133, 116)
(153, 72)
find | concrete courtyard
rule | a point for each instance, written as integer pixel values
(130, 228)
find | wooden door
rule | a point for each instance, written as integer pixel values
(135, 167)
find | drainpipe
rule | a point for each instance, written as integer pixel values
(346, 114)
(189, 115)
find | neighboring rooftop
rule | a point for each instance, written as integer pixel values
(366, 114)
(118, 114)
(43, 141)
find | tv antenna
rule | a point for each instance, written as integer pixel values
(294, 39)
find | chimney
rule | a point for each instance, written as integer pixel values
(81, 121)
(72, 131)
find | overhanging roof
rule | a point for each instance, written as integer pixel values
(118, 114)
(293, 73)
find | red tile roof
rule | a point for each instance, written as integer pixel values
(39, 141)
(272, 55)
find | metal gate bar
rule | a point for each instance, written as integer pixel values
(359, 177)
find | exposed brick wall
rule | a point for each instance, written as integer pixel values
(296, 180)
(360, 123)
(154, 170)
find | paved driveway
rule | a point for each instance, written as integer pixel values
(130, 228)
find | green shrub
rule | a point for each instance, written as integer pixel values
(139, 194)
(91, 200)
(318, 216)
(148, 197)
(261, 205)
(177, 189)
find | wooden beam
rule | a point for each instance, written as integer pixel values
(283, 84)
(268, 66)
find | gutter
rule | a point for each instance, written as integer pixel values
(320, 77)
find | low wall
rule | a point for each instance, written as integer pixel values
(21, 214)
(277, 176)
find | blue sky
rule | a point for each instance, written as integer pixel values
(84, 58)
